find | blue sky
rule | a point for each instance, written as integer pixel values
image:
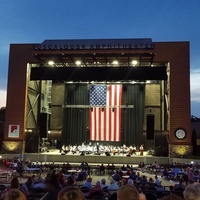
(33, 21)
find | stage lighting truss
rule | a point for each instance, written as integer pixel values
(100, 106)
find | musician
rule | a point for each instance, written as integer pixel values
(118, 150)
(141, 149)
(114, 150)
(134, 149)
(97, 146)
(63, 149)
(73, 149)
(125, 149)
(101, 148)
(66, 149)
(83, 147)
(89, 149)
(130, 151)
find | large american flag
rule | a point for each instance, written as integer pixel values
(105, 123)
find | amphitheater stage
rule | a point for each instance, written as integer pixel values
(54, 155)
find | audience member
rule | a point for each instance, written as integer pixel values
(68, 166)
(133, 175)
(129, 192)
(88, 183)
(82, 175)
(70, 181)
(190, 175)
(143, 180)
(70, 193)
(30, 183)
(102, 169)
(130, 182)
(113, 187)
(157, 181)
(180, 185)
(95, 189)
(15, 185)
(61, 178)
(116, 176)
(103, 183)
(53, 187)
(185, 178)
(15, 194)
(192, 192)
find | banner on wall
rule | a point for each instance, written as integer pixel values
(105, 121)
(13, 131)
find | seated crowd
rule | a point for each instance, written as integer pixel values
(128, 191)
(65, 183)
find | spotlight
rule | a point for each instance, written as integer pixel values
(78, 62)
(51, 63)
(134, 62)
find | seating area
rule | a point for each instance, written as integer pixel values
(76, 175)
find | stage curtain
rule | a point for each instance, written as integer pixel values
(132, 127)
(75, 120)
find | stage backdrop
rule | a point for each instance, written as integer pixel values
(105, 121)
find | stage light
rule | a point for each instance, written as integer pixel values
(115, 62)
(78, 62)
(51, 62)
(134, 62)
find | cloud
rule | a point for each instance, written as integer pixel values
(3, 94)
(195, 85)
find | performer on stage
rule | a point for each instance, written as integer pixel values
(141, 149)
(130, 151)
(63, 149)
(134, 149)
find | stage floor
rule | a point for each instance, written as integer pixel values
(57, 152)
(54, 155)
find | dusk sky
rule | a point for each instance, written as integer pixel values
(33, 21)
